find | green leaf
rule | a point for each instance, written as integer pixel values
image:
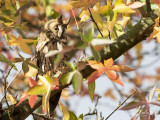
(33, 65)
(4, 59)
(37, 90)
(48, 10)
(88, 37)
(70, 65)
(80, 117)
(82, 45)
(96, 54)
(49, 79)
(77, 82)
(72, 116)
(66, 78)
(12, 9)
(91, 87)
(25, 67)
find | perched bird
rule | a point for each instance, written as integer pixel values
(50, 36)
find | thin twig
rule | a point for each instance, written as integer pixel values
(121, 104)
(94, 22)
(5, 85)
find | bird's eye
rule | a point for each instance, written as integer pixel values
(56, 28)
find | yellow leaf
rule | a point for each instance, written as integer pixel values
(12, 99)
(104, 10)
(118, 2)
(155, 34)
(158, 90)
(83, 3)
(84, 15)
(123, 9)
(157, 22)
(64, 111)
(97, 18)
(112, 23)
(21, 43)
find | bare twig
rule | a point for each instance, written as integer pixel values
(121, 104)
(94, 22)
(5, 85)
(95, 110)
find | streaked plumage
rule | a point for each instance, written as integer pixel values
(51, 34)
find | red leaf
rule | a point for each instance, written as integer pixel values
(32, 82)
(32, 100)
(94, 76)
(24, 96)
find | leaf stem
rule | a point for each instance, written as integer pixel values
(94, 22)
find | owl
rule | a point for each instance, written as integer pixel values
(51, 34)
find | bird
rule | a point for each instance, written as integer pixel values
(50, 36)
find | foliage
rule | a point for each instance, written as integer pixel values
(96, 27)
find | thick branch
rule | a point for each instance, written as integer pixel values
(125, 42)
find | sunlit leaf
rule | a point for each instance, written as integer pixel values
(80, 117)
(77, 82)
(136, 4)
(36, 90)
(22, 43)
(123, 9)
(108, 63)
(83, 3)
(32, 100)
(11, 98)
(64, 111)
(95, 65)
(94, 75)
(112, 75)
(91, 87)
(66, 78)
(121, 68)
(72, 116)
(70, 65)
(106, 9)
(23, 97)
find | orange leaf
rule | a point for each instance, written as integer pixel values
(112, 75)
(32, 100)
(95, 65)
(94, 76)
(24, 96)
(121, 68)
(108, 63)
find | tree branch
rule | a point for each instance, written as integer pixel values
(123, 43)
